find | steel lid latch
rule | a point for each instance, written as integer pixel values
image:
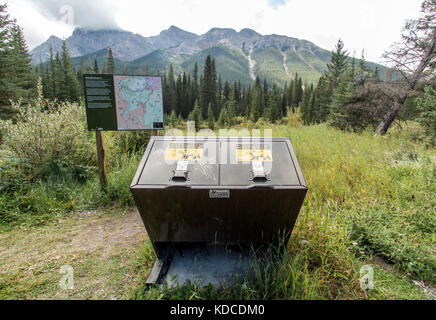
(258, 174)
(181, 173)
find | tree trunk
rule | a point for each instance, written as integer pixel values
(416, 76)
(383, 127)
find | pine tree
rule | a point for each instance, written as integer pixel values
(209, 86)
(273, 111)
(376, 74)
(195, 96)
(80, 74)
(336, 67)
(223, 118)
(88, 68)
(338, 116)
(70, 89)
(305, 105)
(173, 118)
(231, 109)
(96, 68)
(46, 82)
(196, 115)
(210, 117)
(256, 104)
(58, 76)
(363, 72)
(110, 63)
(23, 74)
(6, 87)
(54, 84)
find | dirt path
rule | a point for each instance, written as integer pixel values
(104, 250)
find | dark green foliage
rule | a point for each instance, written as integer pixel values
(209, 87)
(426, 106)
(17, 74)
(70, 88)
(110, 63)
(338, 63)
(60, 80)
(210, 117)
(196, 115)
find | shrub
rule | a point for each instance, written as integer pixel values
(11, 177)
(49, 139)
(131, 142)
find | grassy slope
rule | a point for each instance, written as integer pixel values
(295, 64)
(231, 64)
(269, 65)
(369, 196)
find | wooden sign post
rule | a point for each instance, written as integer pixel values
(101, 155)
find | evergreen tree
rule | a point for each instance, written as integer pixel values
(305, 105)
(231, 109)
(256, 104)
(223, 118)
(195, 96)
(363, 72)
(336, 67)
(173, 118)
(196, 115)
(209, 86)
(70, 90)
(273, 111)
(22, 74)
(376, 74)
(110, 63)
(54, 83)
(88, 68)
(57, 76)
(6, 86)
(219, 94)
(96, 68)
(210, 117)
(339, 116)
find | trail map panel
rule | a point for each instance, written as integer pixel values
(139, 102)
(100, 102)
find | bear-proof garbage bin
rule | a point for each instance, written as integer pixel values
(228, 191)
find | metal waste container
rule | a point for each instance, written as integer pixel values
(218, 190)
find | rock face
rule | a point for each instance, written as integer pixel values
(239, 55)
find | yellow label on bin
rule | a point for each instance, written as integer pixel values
(184, 154)
(250, 155)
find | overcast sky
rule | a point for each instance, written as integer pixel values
(370, 24)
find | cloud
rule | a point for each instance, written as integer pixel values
(96, 14)
(370, 24)
(276, 3)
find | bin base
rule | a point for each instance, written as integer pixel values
(201, 264)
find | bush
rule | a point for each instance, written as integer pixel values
(11, 177)
(131, 142)
(49, 139)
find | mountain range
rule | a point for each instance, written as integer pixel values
(239, 55)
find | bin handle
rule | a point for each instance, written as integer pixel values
(259, 177)
(180, 176)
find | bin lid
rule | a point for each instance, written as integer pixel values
(223, 162)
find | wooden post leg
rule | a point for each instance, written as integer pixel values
(155, 133)
(101, 155)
